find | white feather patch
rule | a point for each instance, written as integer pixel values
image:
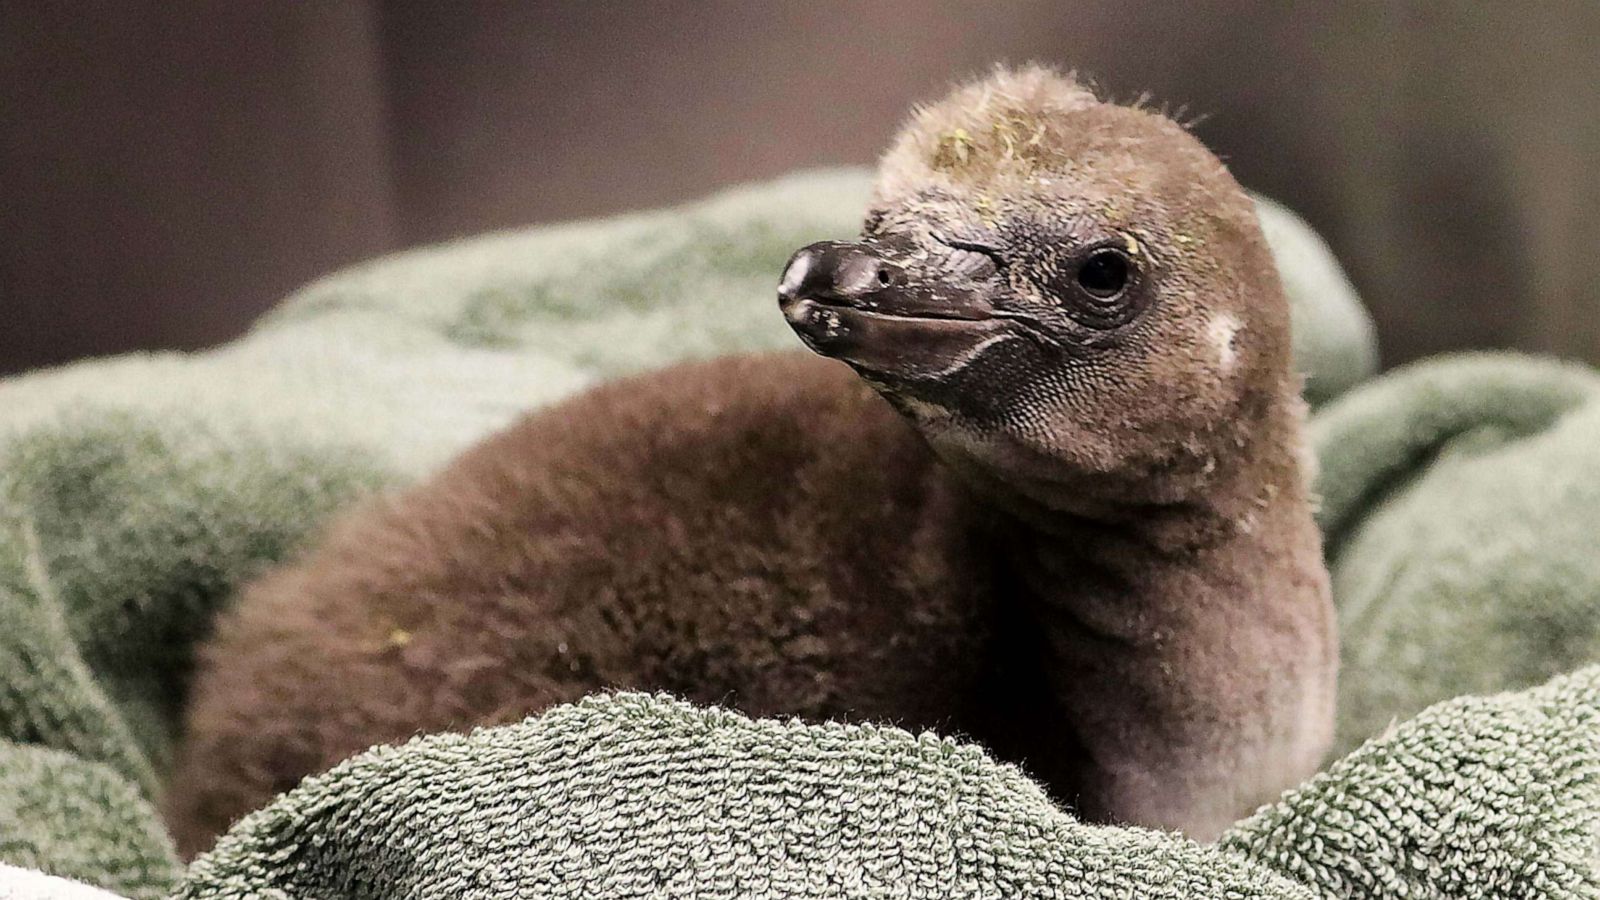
(1222, 328)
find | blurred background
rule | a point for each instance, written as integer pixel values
(170, 169)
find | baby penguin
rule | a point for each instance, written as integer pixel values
(1055, 501)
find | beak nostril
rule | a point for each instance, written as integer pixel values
(836, 271)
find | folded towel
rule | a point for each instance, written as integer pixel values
(1461, 500)
(78, 819)
(1477, 797)
(1335, 346)
(637, 796)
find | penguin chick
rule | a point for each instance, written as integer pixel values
(1073, 303)
(1078, 530)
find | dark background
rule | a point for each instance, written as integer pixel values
(170, 169)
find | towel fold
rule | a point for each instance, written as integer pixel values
(70, 817)
(639, 796)
(1461, 500)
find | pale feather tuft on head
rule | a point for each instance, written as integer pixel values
(1012, 123)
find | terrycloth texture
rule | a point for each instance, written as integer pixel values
(1461, 502)
(78, 819)
(633, 796)
(1491, 797)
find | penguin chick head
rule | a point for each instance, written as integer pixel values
(1064, 294)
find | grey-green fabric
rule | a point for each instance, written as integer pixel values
(1477, 797)
(1461, 505)
(635, 796)
(135, 493)
(78, 819)
(1335, 346)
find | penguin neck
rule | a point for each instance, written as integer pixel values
(1180, 643)
(1152, 519)
(1146, 546)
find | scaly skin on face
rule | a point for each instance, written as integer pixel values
(988, 207)
(1073, 303)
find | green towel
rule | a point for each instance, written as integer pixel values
(1461, 502)
(1335, 347)
(634, 796)
(78, 819)
(1477, 797)
(135, 493)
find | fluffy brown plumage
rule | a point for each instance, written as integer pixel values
(1078, 530)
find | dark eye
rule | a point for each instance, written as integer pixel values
(1101, 289)
(1104, 274)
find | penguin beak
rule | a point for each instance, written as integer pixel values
(852, 301)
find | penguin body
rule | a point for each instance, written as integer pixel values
(761, 530)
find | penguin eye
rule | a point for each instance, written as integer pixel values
(1104, 274)
(1098, 289)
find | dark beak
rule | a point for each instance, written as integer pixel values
(854, 301)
